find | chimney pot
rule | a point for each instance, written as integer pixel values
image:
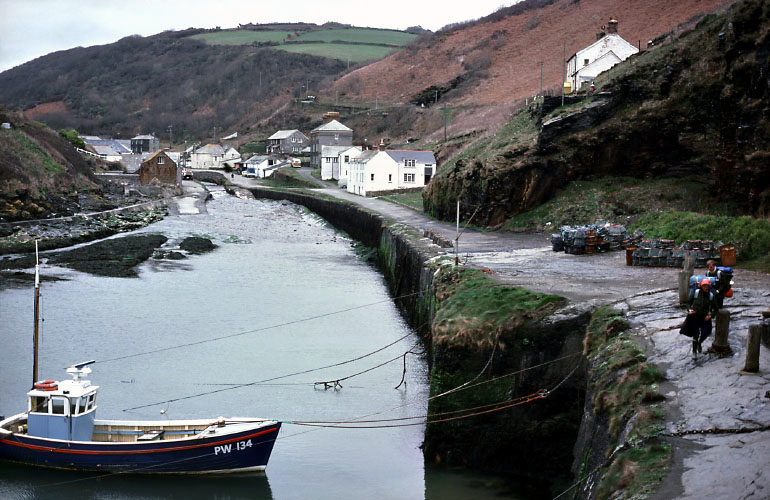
(612, 27)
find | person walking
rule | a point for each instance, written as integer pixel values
(702, 307)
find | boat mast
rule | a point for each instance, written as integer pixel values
(37, 314)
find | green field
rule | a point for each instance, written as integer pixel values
(344, 52)
(358, 35)
(360, 44)
(241, 37)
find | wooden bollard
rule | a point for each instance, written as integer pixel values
(720, 345)
(689, 262)
(684, 286)
(752, 349)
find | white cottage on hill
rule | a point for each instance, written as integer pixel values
(608, 50)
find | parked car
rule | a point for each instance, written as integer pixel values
(187, 173)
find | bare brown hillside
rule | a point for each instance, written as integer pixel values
(503, 57)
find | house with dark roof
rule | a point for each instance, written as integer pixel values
(145, 144)
(287, 142)
(381, 170)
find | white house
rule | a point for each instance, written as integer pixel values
(608, 50)
(208, 156)
(231, 157)
(389, 170)
(330, 162)
(345, 158)
(262, 166)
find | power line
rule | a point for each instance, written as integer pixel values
(248, 384)
(261, 329)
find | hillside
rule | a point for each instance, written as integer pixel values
(41, 174)
(497, 59)
(144, 85)
(695, 110)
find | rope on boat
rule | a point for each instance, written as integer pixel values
(302, 372)
(443, 416)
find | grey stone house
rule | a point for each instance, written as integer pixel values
(330, 133)
(145, 144)
(287, 142)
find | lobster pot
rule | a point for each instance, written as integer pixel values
(727, 255)
(557, 243)
(590, 249)
(676, 258)
(640, 256)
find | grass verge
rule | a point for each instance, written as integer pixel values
(475, 309)
(412, 200)
(625, 388)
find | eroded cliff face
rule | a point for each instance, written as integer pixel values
(698, 107)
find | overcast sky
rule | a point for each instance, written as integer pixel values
(32, 28)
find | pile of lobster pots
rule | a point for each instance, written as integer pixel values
(663, 253)
(591, 239)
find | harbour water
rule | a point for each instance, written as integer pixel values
(282, 296)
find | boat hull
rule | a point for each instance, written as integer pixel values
(248, 449)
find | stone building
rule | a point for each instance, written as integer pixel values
(159, 166)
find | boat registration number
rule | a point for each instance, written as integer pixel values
(227, 448)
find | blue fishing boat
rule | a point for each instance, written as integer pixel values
(59, 429)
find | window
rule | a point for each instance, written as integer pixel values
(585, 62)
(372, 177)
(390, 177)
(161, 159)
(336, 137)
(409, 163)
(58, 406)
(39, 404)
(347, 158)
(408, 177)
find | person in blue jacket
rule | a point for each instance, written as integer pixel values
(702, 307)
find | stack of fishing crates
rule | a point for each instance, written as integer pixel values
(594, 238)
(663, 253)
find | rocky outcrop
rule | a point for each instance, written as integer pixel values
(696, 108)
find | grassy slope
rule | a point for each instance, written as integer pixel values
(358, 35)
(343, 52)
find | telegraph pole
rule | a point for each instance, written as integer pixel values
(563, 70)
(170, 136)
(445, 122)
(541, 79)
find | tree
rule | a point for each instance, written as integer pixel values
(73, 136)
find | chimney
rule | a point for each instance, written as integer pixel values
(601, 34)
(381, 147)
(612, 27)
(330, 115)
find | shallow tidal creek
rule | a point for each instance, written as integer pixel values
(282, 293)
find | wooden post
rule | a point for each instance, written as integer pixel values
(720, 345)
(752, 349)
(684, 286)
(689, 262)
